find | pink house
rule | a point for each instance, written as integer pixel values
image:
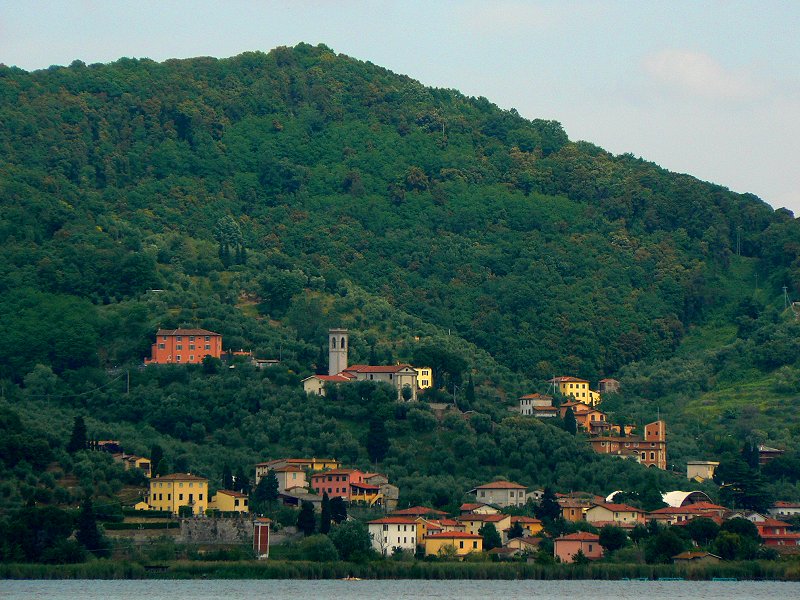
(337, 482)
(566, 547)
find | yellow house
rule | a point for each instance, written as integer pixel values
(530, 525)
(463, 543)
(170, 492)
(472, 523)
(230, 501)
(141, 506)
(577, 389)
(424, 377)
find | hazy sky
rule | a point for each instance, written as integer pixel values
(707, 88)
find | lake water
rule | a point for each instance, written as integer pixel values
(396, 590)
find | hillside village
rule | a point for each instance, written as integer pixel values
(500, 519)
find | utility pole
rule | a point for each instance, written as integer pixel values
(128, 387)
(785, 297)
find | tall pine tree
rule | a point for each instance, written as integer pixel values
(77, 440)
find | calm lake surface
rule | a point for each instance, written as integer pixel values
(397, 590)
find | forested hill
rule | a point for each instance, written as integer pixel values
(270, 196)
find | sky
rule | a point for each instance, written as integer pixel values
(710, 88)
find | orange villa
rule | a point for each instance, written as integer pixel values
(184, 346)
(566, 547)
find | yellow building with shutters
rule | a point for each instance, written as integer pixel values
(170, 492)
(461, 542)
(424, 377)
(230, 501)
(577, 389)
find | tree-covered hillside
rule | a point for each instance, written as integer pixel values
(271, 196)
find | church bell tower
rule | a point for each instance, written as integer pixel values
(338, 341)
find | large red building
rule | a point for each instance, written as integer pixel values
(338, 482)
(184, 346)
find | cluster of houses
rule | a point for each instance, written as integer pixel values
(434, 532)
(405, 379)
(605, 437)
(307, 479)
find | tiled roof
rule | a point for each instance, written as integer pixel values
(531, 541)
(501, 485)
(232, 493)
(418, 510)
(335, 472)
(490, 518)
(288, 469)
(185, 332)
(581, 535)
(618, 507)
(179, 477)
(535, 397)
(566, 379)
(376, 369)
(454, 534)
(704, 506)
(784, 504)
(394, 521)
(524, 520)
(772, 523)
(692, 555)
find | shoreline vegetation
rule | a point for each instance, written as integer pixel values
(112, 569)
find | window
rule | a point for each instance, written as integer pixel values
(162, 346)
(385, 527)
(208, 347)
(180, 338)
(474, 545)
(208, 338)
(180, 484)
(191, 498)
(200, 497)
(236, 502)
(163, 337)
(191, 338)
(460, 544)
(178, 358)
(169, 496)
(191, 357)
(180, 347)
(590, 547)
(191, 346)
(652, 456)
(191, 484)
(390, 376)
(180, 496)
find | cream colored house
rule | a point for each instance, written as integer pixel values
(501, 493)
(700, 470)
(619, 514)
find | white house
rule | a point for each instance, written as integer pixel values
(389, 533)
(501, 493)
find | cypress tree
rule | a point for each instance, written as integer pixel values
(325, 514)
(227, 477)
(377, 440)
(77, 440)
(570, 424)
(88, 534)
(306, 522)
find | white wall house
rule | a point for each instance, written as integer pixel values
(393, 532)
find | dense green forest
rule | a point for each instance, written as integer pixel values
(270, 196)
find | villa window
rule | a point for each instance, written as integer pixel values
(162, 346)
(191, 338)
(179, 338)
(180, 346)
(178, 358)
(191, 346)
(208, 338)
(180, 496)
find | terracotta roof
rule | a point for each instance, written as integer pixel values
(784, 504)
(531, 541)
(618, 507)
(179, 477)
(340, 378)
(567, 379)
(454, 534)
(502, 550)
(581, 535)
(524, 520)
(365, 486)
(491, 518)
(448, 522)
(672, 510)
(335, 472)
(418, 510)
(376, 369)
(232, 493)
(471, 506)
(501, 485)
(704, 506)
(394, 521)
(288, 469)
(186, 332)
(772, 523)
(535, 397)
(609, 379)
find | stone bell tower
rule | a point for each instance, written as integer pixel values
(338, 341)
